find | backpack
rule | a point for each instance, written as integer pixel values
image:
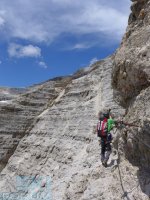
(102, 128)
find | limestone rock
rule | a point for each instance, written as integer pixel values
(133, 55)
(18, 113)
(134, 90)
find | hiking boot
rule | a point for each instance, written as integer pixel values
(104, 163)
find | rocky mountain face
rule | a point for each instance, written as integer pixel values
(48, 149)
(10, 93)
(131, 78)
(19, 112)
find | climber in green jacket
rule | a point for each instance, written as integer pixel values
(105, 125)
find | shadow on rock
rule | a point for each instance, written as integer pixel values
(144, 180)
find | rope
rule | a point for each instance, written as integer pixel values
(134, 136)
(125, 193)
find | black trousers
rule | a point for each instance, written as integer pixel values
(105, 149)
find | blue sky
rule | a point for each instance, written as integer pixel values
(43, 39)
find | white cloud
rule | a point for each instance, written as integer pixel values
(0, 62)
(43, 65)
(93, 61)
(2, 21)
(46, 20)
(17, 50)
(79, 46)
